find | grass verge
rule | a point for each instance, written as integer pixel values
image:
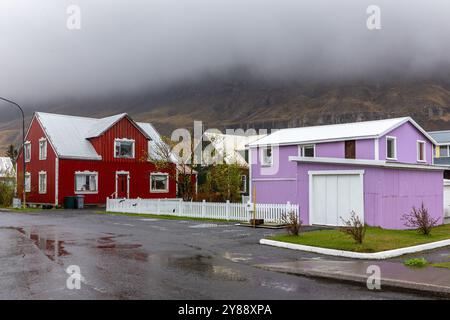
(376, 239)
(167, 217)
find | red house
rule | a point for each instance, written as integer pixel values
(97, 158)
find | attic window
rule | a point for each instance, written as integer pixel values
(307, 151)
(124, 148)
(421, 151)
(391, 148)
(42, 149)
(266, 156)
(27, 149)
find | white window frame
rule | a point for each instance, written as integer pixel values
(421, 143)
(86, 173)
(42, 173)
(26, 146)
(43, 155)
(132, 148)
(301, 150)
(244, 180)
(395, 147)
(27, 176)
(159, 174)
(263, 156)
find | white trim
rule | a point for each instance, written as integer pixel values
(27, 144)
(160, 174)
(313, 173)
(39, 182)
(377, 148)
(375, 163)
(42, 156)
(424, 144)
(358, 255)
(27, 174)
(395, 147)
(56, 180)
(133, 147)
(301, 149)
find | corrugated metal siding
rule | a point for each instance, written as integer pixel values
(35, 166)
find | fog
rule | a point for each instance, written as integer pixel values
(128, 45)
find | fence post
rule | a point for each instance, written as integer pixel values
(228, 210)
(203, 208)
(158, 207)
(180, 207)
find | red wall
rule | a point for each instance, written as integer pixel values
(35, 165)
(139, 179)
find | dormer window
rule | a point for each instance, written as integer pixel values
(391, 148)
(421, 151)
(124, 148)
(42, 149)
(27, 151)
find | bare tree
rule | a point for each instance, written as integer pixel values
(420, 219)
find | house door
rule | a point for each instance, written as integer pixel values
(122, 185)
(335, 195)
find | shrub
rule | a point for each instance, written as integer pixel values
(354, 227)
(416, 262)
(6, 194)
(292, 222)
(420, 219)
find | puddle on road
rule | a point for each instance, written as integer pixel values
(108, 244)
(237, 257)
(46, 241)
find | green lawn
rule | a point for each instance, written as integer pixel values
(168, 217)
(441, 265)
(376, 239)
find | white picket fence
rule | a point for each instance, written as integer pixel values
(211, 210)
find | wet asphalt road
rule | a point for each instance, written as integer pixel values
(123, 257)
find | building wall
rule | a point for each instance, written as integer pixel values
(139, 179)
(407, 136)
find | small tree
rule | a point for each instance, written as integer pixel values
(12, 153)
(354, 227)
(223, 182)
(420, 219)
(292, 223)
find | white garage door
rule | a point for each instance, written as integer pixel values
(335, 194)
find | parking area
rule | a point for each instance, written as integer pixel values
(125, 257)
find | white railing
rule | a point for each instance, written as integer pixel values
(210, 210)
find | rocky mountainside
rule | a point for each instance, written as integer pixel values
(243, 102)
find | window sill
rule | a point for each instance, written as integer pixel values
(86, 192)
(392, 159)
(266, 165)
(42, 192)
(159, 191)
(421, 161)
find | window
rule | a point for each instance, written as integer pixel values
(266, 156)
(27, 182)
(159, 182)
(42, 182)
(444, 152)
(391, 148)
(124, 148)
(350, 149)
(421, 151)
(42, 149)
(27, 148)
(243, 183)
(86, 182)
(307, 151)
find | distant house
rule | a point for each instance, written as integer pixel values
(233, 149)
(442, 149)
(97, 158)
(7, 172)
(377, 169)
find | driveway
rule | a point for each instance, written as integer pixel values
(122, 257)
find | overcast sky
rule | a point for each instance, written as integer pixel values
(124, 45)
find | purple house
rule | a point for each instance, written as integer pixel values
(377, 169)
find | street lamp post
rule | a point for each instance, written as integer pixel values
(23, 146)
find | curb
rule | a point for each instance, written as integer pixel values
(431, 289)
(358, 255)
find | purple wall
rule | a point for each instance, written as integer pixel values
(407, 136)
(365, 149)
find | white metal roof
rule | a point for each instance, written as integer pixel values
(336, 132)
(69, 134)
(6, 167)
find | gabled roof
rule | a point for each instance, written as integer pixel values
(337, 132)
(6, 167)
(441, 137)
(231, 146)
(69, 135)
